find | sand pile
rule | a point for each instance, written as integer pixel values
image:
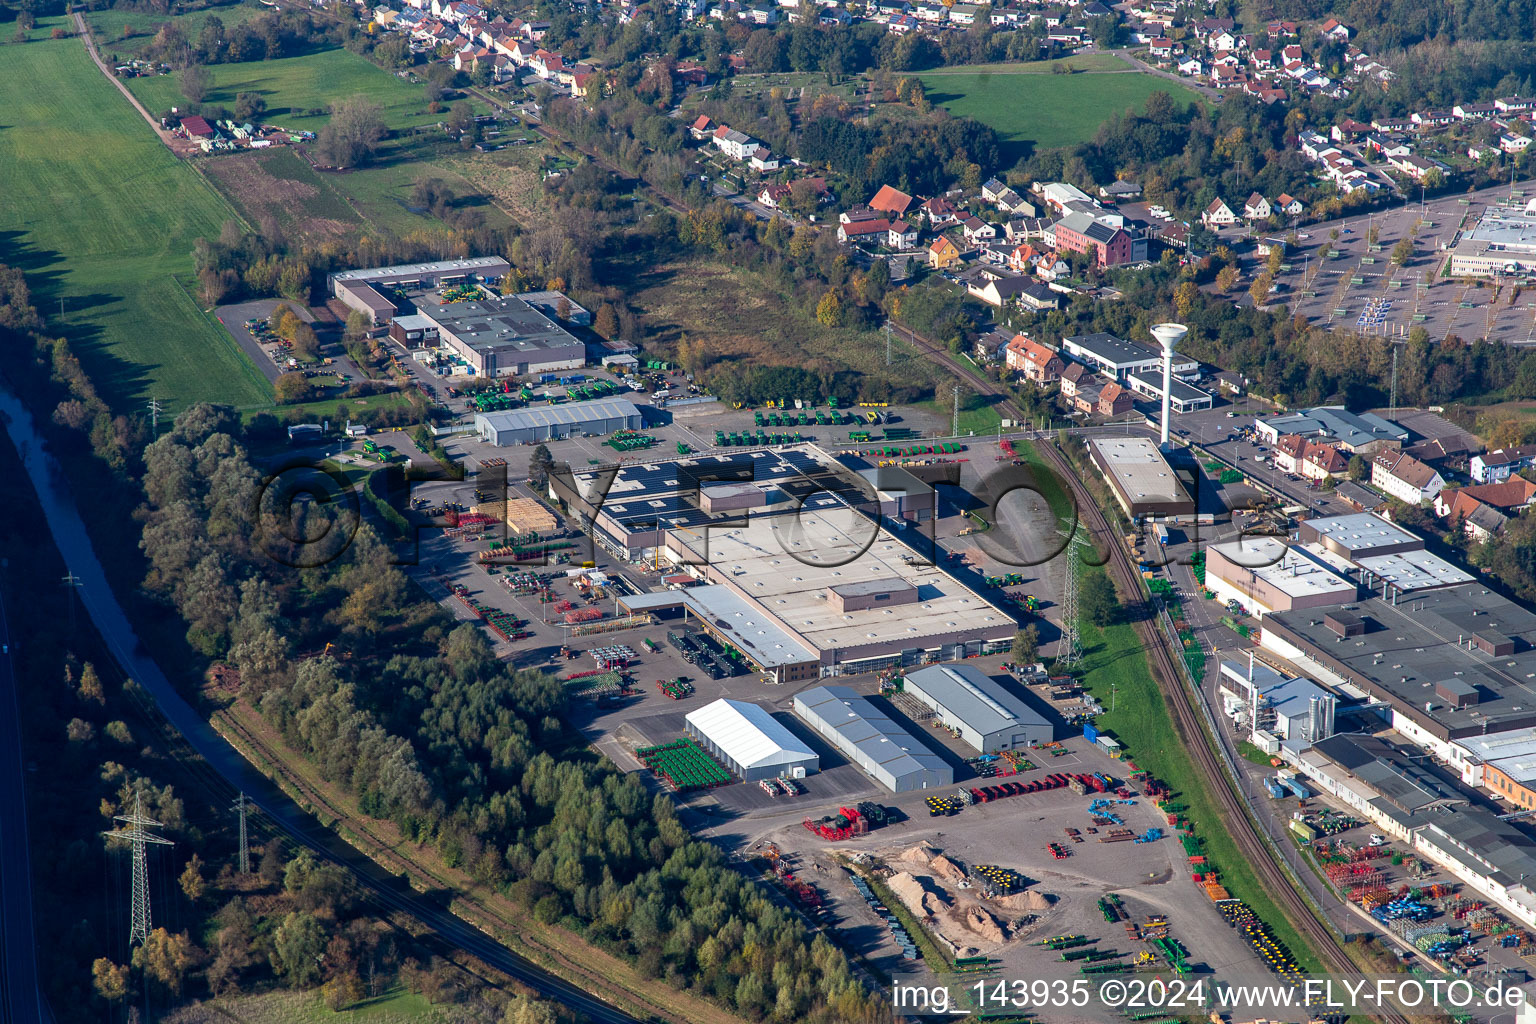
(946, 869)
(921, 854)
(915, 893)
(979, 921)
(1030, 902)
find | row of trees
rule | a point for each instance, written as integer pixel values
(268, 36)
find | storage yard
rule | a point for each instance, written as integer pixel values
(940, 818)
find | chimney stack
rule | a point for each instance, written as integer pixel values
(1168, 335)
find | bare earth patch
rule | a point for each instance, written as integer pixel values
(245, 179)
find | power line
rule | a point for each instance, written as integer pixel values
(138, 931)
(155, 409)
(954, 428)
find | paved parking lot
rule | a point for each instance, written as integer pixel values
(1357, 287)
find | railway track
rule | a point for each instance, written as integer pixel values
(1187, 724)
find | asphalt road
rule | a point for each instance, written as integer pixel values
(20, 1000)
(101, 603)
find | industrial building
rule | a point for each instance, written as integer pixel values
(848, 590)
(1276, 710)
(1446, 663)
(547, 422)
(1504, 764)
(982, 712)
(870, 739)
(1184, 398)
(1358, 433)
(1265, 574)
(1141, 477)
(1503, 242)
(504, 337)
(1117, 358)
(362, 289)
(900, 494)
(1407, 800)
(629, 512)
(1378, 554)
(802, 579)
(750, 741)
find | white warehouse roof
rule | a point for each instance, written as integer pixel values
(748, 734)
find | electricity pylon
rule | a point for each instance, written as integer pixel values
(139, 930)
(1070, 650)
(245, 849)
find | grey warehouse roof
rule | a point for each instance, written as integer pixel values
(405, 270)
(569, 414)
(865, 726)
(504, 322)
(1353, 429)
(970, 696)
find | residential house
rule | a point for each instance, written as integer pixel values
(1120, 191)
(1483, 509)
(964, 14)
(702, 128)
(1405, 478)
(1416, 167)
(977, 230)
(1426, 119)
(1333, 30)
(941, 213)
(1256, 208)
(1021, 258)
(763, 160)
(734, 144)
(901, 235)
(1314, 460)
(1114, 400)
(1033, 360)
(991, 189)
(994, 286)
(1039, 298)
(1289, 205)
(875, 230)
(943, 253)
(1513, 105)
(1513, 142)
(1218, 215)
(1497, 465)
(891, 201)
(1348, 129)
(1074, 378)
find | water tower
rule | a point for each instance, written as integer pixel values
(1168, 336)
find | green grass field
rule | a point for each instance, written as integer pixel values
(1044, 110)
(1084, 62)
(293, 86)
(118, 252)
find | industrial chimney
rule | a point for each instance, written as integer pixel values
(1168, 335)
